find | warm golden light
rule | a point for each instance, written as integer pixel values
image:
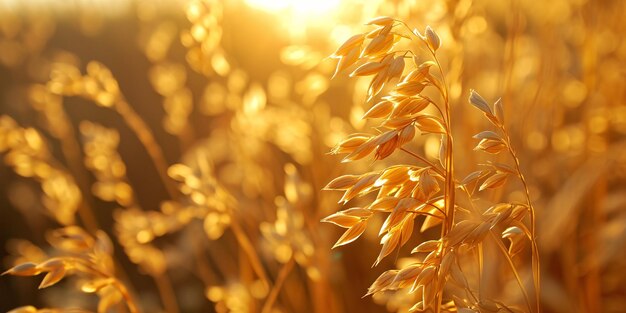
(301, 8)
(279, 156)
(112, 7)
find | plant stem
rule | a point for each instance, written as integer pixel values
(449, 175)
(282, 276)
(421, 158)
(535, 251)
(130, 301)
(145, 136)
(70, 149)
(247, 247)
(513, 269)
(168, 295)
(449, 190)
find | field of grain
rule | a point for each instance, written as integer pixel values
(312, 156)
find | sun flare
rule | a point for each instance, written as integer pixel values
(296, 7)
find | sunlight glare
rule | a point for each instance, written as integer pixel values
(301, 8)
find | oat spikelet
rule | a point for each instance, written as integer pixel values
(404, 192)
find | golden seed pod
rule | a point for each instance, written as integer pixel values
(396, 68)
(476, 100)
(379, 110)
(432, 39)
(350, 44)
(381, 21)
(342, 220)
(24, 269)
(367, 69)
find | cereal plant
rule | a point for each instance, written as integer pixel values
(427, 189)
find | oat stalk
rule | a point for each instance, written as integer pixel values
(280, 279)
(533, 235)
(407, 191)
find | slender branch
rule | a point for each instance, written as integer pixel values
(481, 266)
(70, 148)
(421, 158)
(513, 269)
(535, 250)
(449, 191)
(445, 84)
(426, 213)
(85, 211)
(282, 276)
(410, 30)
(435, 104)
(168, 295)
(145, 136)
(130, 302)
(248, 248)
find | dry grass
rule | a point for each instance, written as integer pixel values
(168, 159)
(428, 189)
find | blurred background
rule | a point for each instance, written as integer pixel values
(196, 135)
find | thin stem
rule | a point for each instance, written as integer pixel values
(130, 302)
(513, 269)
(167, 293)
(145, 136)
(471, 293)
(445, 216)
(535, 251)
(445, 86)
(71, 152)
(481, 265)
(85, 212)
(439, 293)
(70, 148)
(203, 267)
(421, 158)
(425, 213)
(449, 191)
(248, 248)
(433, 102)
(410, 30)
(407, 51)
(282, 276)
(449, 175)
